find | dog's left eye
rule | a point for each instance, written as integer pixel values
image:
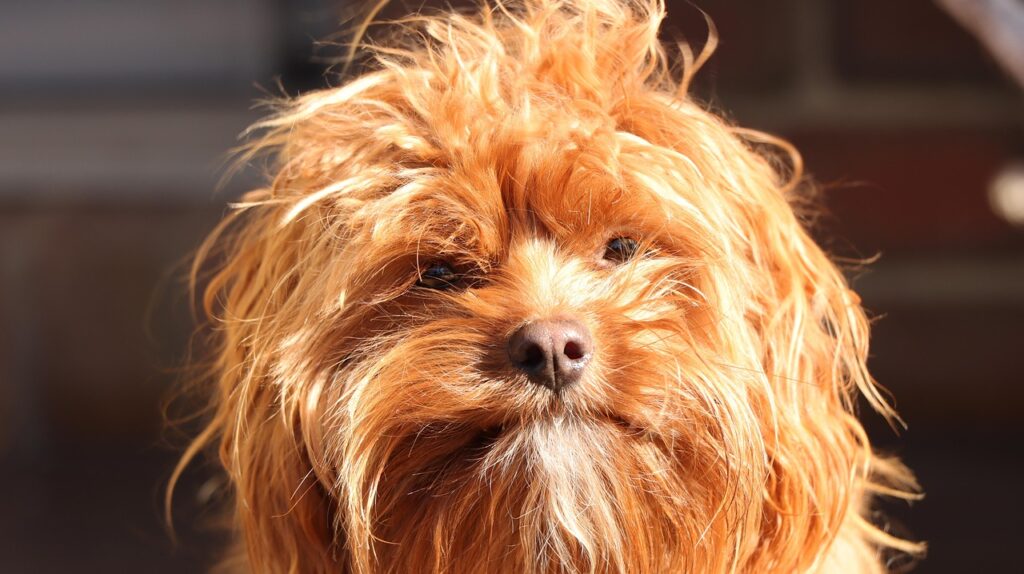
(439, 275)
(621, 249)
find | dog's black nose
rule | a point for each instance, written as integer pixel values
(552, 352)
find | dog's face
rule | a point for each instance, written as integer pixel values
(511, 305)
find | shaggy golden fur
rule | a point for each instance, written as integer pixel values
(370, 421)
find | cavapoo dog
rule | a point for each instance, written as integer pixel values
(513, 302)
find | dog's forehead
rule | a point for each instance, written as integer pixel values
(581, 180)
(552, 190)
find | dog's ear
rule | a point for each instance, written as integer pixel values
(804, 347)
(280, 503)
(272, 278)
(813, 337)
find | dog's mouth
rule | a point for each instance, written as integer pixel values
(488, 436)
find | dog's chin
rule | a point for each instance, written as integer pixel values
(517, 449)
(573, 480)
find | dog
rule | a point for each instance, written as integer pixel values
(513, 301)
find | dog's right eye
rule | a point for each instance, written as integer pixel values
(440, 275)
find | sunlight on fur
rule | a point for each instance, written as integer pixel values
(536, 159)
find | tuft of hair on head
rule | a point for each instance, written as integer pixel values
(507, 57)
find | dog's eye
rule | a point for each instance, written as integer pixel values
(621, 249)
(438, 275)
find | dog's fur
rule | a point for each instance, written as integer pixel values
(370, 424)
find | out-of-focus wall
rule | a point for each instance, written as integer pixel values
(115, 119)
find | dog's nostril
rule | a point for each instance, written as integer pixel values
(533, 357)
(573, 351)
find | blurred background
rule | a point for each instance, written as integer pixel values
(115, 116)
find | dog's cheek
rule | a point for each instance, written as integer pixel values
(652, 346)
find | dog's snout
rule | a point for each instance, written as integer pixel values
(552, 352)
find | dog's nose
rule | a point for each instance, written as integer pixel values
(552, 352)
